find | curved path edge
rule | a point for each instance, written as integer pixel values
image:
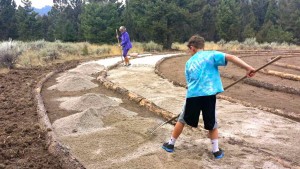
(54, 146)
(142, 101)
(290, 115)
(68, 160)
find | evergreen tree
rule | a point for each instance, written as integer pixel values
(99, 21)
(273, 33)
(272, 30)
(64, 17)
(28, 26)
(208, 26)
(228, 25)
(259, 8)
(247, 20)
(289, 17)
(8, 27)
(159, 21)
(272, 13)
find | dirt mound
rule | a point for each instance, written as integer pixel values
(88, 68)
(73, 82)
(90, 120)
(89, 100)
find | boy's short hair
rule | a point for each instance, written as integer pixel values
(196, 41)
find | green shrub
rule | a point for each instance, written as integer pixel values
(85, 50)
(103, 50)
(152, 46)
(9, 53)
(50, 54)
(175, 46)
(137, 45)
(37, 45)
(222, 42)
(266, 46)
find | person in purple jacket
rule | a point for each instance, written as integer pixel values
(125, 43)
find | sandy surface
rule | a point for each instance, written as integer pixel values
(102, 134)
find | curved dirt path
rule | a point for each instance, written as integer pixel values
(102, 133)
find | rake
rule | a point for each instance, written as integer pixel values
(117, 36)
(244, 77)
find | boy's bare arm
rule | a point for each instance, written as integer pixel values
(237, 61)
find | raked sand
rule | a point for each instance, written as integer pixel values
(105, 135)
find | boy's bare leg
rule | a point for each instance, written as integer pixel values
(213, 134)
(177, 130)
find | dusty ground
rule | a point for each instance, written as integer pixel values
(22, 142)
(103, 130)
(113, 135)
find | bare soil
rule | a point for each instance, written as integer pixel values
(22, 141)
(256, 95)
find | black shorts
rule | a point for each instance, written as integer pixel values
(192, 108)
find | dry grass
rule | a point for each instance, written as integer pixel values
(248, 44)
(42, 53)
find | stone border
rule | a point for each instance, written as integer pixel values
(281, 74)
(265, 85)
(67, 160)
(290, 115)
(131, 95)
(287, 66)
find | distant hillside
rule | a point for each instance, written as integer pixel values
(43, 11)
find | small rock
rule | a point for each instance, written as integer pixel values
(2, 166)
(37, 126)
(74, 131)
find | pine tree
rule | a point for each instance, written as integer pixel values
(28, 27)
(98, 25)
(228, 24)
(8, 27)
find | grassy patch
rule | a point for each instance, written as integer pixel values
(41, 53)
(248, 44)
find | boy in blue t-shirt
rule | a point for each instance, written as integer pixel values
(204, 83)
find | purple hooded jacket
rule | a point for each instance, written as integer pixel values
(125, 41)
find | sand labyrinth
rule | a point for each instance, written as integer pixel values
(103, 134)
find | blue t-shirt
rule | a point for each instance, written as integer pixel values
(202, 74)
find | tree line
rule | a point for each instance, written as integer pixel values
(161, 21)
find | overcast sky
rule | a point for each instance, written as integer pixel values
(37, 3)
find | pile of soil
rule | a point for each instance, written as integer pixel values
(22, 141)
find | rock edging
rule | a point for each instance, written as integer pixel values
(131, 95)
(67, 160)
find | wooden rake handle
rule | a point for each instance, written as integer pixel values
(117, 36)
(175, 117)
(265, 65)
